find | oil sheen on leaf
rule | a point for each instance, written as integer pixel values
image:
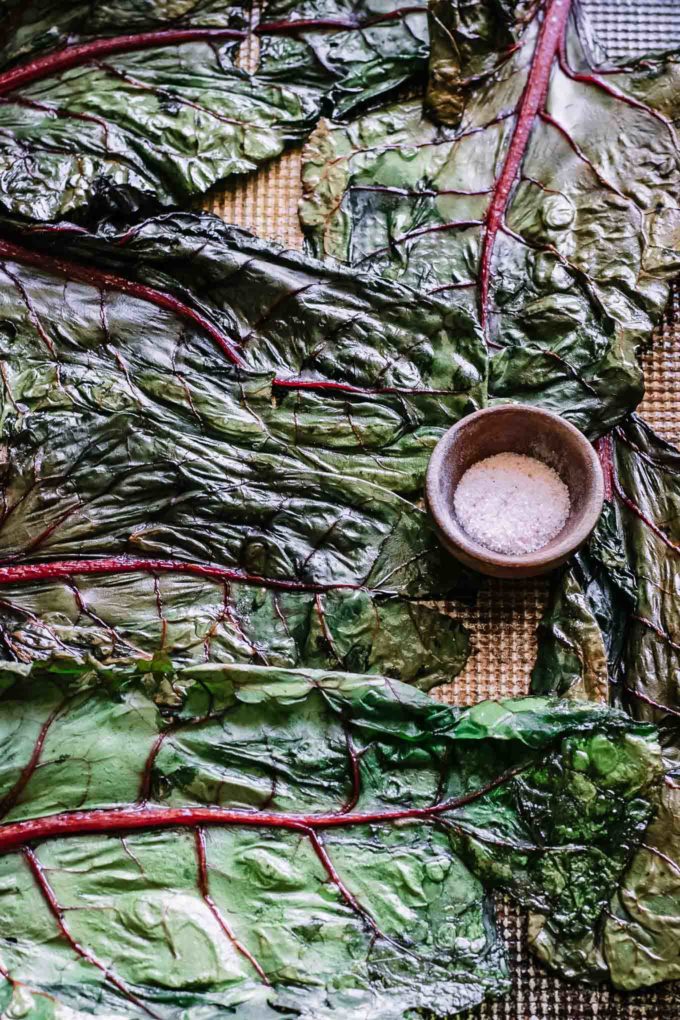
(293, 843)
(216, 450)
(614, 617)
(548, 210)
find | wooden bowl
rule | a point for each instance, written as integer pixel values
(515, 428)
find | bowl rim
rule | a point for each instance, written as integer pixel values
(546, 555)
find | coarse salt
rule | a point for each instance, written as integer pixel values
(511, 503)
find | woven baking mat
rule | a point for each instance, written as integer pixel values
(503, 622)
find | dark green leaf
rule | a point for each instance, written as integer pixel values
(612, 632)
(155, 121)
(245, 484)
(374, 48)
(554, 219)
(301, 844)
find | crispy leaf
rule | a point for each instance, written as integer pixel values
(118, 107)
(293, 843)
(611, 631)
(550, 211)
(157, 113)
(227, 467)
(353, 51)
(192, 619)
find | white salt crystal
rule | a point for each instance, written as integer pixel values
(511, 503)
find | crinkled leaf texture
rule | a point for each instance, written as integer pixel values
(119, 107)
(550, 210)
(612, 632)
(293, 843)
(157, 121)
(353, 51)
(214, 450)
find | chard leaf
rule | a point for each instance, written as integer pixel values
(354, 51)
(120, 107)
(611, 633)
(549, 210)
(216, 449)
(293, 843)
(117, 108)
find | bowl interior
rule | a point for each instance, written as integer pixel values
(535, 433)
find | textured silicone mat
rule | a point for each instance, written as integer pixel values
(503, 622)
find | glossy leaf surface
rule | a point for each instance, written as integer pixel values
(611, 633)
(208, 412)
(549, 210)
(293, 843)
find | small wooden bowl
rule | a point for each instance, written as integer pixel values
(515, 428)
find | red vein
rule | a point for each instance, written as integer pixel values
(325, 629)
(596, 82)
(162, 299)
(58, 914)
(15, 835)
(204, 889)
(13, 795)
(578, 151)
(147, 771)
(355, 772)
(84, 53)
(547, 45)
(421, 232)
(640, 514)
(110, 281)
(603, 448)
(64, 569)
(659, 853)
(659, 631)
(344, 891)
(416, 192)
(325, 384)
(633, 692)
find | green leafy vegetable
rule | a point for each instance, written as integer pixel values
(352, 51)
(119, 123)
(215, 449)
(611, 633)
(119, 107)
(549, 210)
(293, 843)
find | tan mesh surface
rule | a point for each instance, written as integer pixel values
(503, 622)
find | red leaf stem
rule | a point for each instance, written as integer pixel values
(64, 569)
(110, 281)
(85, 53)
(547, 46)
(134, 818)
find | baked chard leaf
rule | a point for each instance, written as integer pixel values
(626, 581)
(107, 123)
(117, 108)
(353, 52)
(200, 620)
(611, 633)
(549, 210)
(293, 843)
(215, 449)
